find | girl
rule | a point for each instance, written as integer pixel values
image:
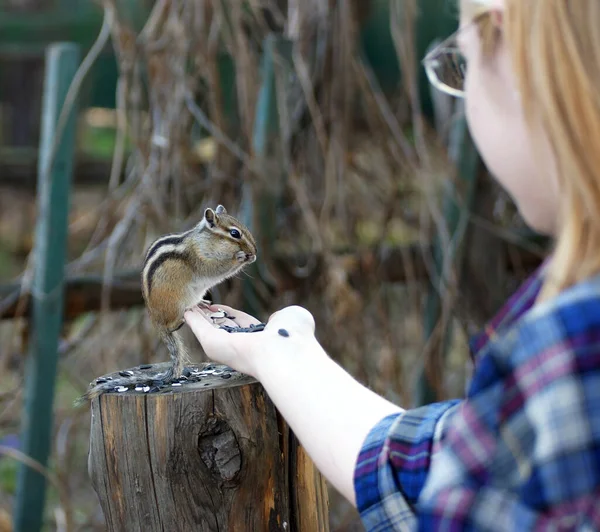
(522, 450)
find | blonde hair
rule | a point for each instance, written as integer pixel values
(555, 50)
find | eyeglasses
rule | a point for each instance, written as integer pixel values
(446, 66)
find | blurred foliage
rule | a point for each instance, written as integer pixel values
(8, 476)
(98, 142)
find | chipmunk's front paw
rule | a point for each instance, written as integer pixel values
(204, 303)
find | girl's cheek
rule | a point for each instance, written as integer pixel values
(472, 104)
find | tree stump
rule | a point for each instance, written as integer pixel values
(211, 455)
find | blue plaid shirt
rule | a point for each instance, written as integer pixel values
(521, 451)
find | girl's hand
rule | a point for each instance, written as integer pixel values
(245, 352)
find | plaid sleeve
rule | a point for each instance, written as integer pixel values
(520, 452)
(393, 464)
(523, 451)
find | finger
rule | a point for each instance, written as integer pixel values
(227, 322)
(219, 316)
(241, 318)
(201, 325)
(209, 332)
(203, 312)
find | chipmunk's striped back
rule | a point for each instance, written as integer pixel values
(168, 247)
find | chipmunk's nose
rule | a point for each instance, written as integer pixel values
(250, 258)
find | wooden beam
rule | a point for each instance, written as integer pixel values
(212, 454)
(21, 172)
(82, 294)
(387, 265)
(18, 169)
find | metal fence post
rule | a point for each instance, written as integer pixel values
(54, 180)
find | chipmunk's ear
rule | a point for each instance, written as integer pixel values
(210, 217)
(221, 210)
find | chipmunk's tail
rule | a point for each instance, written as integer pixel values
(96, 389)
(178, 352)
(179, 358)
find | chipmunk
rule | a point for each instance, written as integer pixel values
(178, 270)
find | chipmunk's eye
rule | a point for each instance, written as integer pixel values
(235, 233)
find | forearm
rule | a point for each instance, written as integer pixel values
(329, 411)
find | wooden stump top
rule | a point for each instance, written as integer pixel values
(210, 455)
(195, 377)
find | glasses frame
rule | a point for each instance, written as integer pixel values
(430, 60)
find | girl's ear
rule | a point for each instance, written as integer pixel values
(210, 217)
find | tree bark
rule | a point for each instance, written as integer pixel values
(212, 455)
